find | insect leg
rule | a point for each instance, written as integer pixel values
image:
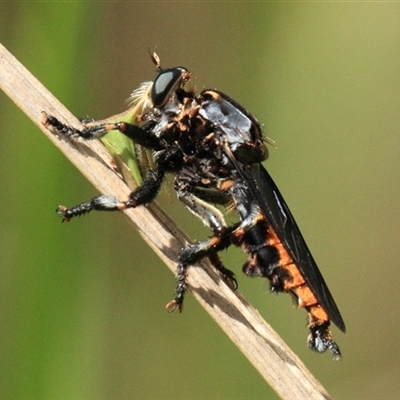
(91, 130)
(95, 130)
(221, 239)
(196, 252)
(180, 289)
(142, 195)
(209, 248)
(181, 272)
(209, 214)
(181, 286)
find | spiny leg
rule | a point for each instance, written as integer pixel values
(181, 285)
(101, 203)
(207, 248)
(196, 252)
(180, 289)
(187, 183)
(94, 130)
(142, 195)
(90, 131)
(210, 248)
(227, 275)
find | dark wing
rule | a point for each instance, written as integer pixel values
(275, 209)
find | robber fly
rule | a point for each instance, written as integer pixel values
(215, 148)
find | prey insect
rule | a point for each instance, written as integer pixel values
(215, 149)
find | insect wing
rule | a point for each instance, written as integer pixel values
(275, 209)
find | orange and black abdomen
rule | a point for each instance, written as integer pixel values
(269, 258)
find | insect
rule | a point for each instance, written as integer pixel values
(215, 149)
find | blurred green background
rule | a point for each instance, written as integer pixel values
(82, 304)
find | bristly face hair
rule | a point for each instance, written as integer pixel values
(215, 149)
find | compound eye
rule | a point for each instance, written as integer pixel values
(166, 84)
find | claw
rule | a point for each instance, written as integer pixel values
(61, 210)
(173, 305)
